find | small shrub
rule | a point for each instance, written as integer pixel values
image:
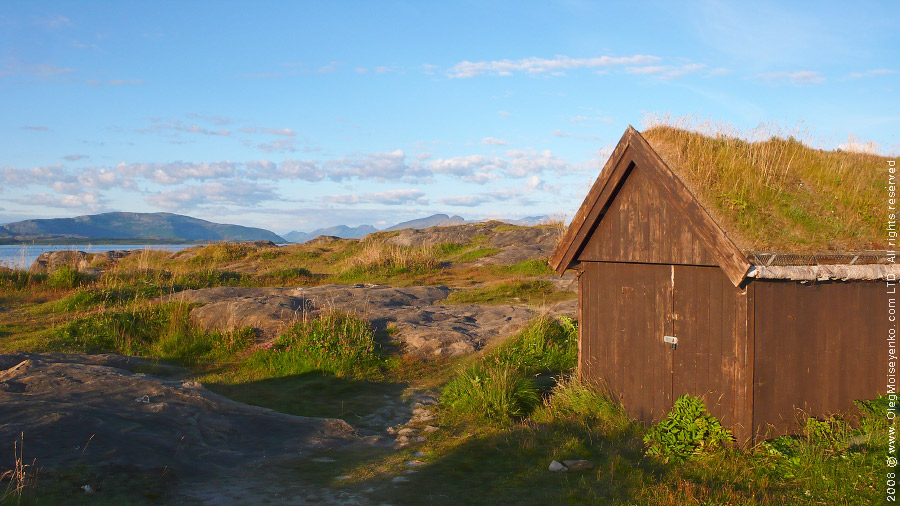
(207, 278)
(288, 275)
(571, 398)
(687, 430)
(545, 345)
(127, 332)
(332, 342)
(497, 392)
(830, 432)
(65, 277)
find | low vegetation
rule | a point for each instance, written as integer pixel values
(504, 413)
(772, 191)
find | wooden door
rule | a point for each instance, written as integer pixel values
(703, 319)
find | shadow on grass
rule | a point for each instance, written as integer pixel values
(314, 394)
(499, 467)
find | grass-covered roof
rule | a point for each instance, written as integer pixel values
(779, 194)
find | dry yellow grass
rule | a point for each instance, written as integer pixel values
(771, 192)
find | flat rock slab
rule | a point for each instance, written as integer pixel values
(425, 325)
(96, 410)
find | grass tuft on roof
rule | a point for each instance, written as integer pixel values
(774, 193)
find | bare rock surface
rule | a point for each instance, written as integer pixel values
(49, 261)
(96, 410)
(425, 326)
(516, 243)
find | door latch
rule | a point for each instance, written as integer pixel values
(671, 340)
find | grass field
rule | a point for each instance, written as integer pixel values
(504, 413)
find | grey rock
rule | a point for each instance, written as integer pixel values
(578, 465)
(557, 467)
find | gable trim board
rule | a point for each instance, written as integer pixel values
(634, 151)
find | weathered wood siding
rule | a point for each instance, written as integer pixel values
(710, 361)
(627, 308)
(818, 347)
(623, 311)
(644, 225)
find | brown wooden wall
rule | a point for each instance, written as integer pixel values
(818, 347)
(627, 308)
(644, 225)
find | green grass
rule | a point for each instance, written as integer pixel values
(533, 267)
(334, 343)
(772, 192)
(475, 254)
(506, 292)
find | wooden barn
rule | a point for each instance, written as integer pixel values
(768, 300)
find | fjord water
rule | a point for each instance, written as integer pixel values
(21, 256)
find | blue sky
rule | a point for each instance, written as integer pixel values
(292, 116)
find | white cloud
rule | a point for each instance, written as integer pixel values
(592, 119)
(329, 68)
(391, 197)
(75, 157)
(230, 193)
(797, 78)
(491, 141)
(282, 145)
(666, 71)
(177, 172)
(90, 200)
(214, 118)
(36, 128)
(564, 134)
(534, 65)
(380, 166)
(56, 22)
(871, 73)
(180, 126)
(288, 170)
(466, 200)
(523, 163)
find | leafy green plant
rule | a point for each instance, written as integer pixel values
(687, 430)
(829, 432)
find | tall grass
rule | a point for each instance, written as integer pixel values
(332, 342)
(773, 192)
(157, 331)
(500, 386)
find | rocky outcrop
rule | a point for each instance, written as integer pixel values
(49, 261)
(422, 323)
(95, 409)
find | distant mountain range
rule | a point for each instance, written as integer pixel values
(435, 220)
(158, 227)
(337, 231)
(174, 228)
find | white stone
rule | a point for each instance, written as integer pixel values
(556, 467)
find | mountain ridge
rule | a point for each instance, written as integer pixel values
(133, 226)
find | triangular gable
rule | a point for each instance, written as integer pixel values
(633, 150)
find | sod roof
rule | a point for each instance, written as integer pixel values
(780, 195)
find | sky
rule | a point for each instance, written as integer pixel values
(300, 115)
